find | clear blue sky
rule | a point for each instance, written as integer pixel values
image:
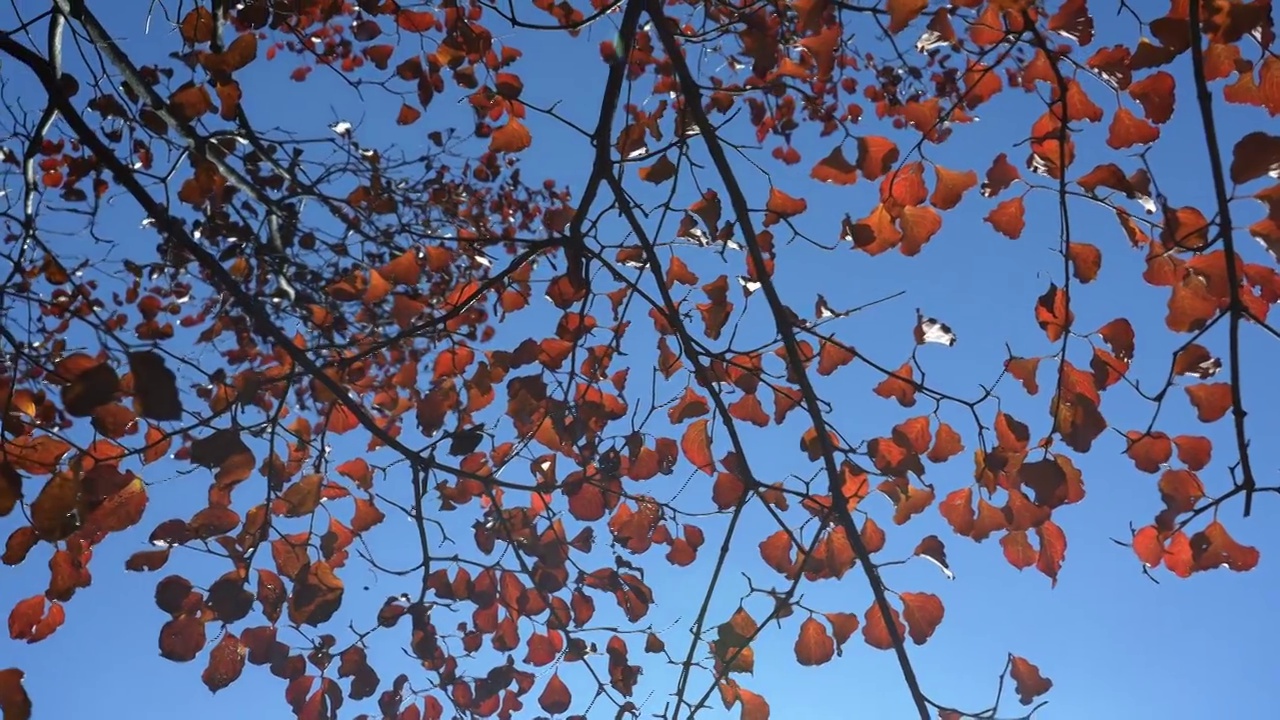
(1115, 644)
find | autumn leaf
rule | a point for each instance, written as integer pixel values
(1211, 400)
(1028, 682)
(696, 444)
(835, 169)
(1008, 218)
(512, 137)
(659, 172)
(923, 613)
(814, 646)
(1053, 313)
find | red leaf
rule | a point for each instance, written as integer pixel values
(932, 548)
(923, 613)
(814, 646)
(1149, 452)
(1000, 176)
(1086, 261)
(1028, 682)
(1053, 314)
(1211, 400)
(1213, 547)
(1008, 218)
(1155, 93)
(696, 444)
(226, 662)
(1128, 130)
(1194, 451)
(555, 698)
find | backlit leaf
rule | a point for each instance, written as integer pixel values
(1211, 400)
(814, 646)
(923, 613)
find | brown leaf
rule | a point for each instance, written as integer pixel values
(1255, 155)
(14, 701)
(182, 638)
(1053, 313)
(317, 595)
(1028, 682)
(226, 662)
(197, 27)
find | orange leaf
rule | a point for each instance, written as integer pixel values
(876, 156)
(659, 172)
(832, 356)
(1211, 400)
(510, 138)
(1053, 549)
(950, 186)
(902, 12)
(814, 646)
(898, 386)
(919, 225)
(1194, 451)
(782, 206)
(835, 169)
(946, 444)
(875, 629)
(923, 613)
(1028, 682)
(1017, 550)
(1008, 218)
(696, 444)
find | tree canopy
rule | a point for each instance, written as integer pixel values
(491, 359)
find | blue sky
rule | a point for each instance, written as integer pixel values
(1114, 643)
